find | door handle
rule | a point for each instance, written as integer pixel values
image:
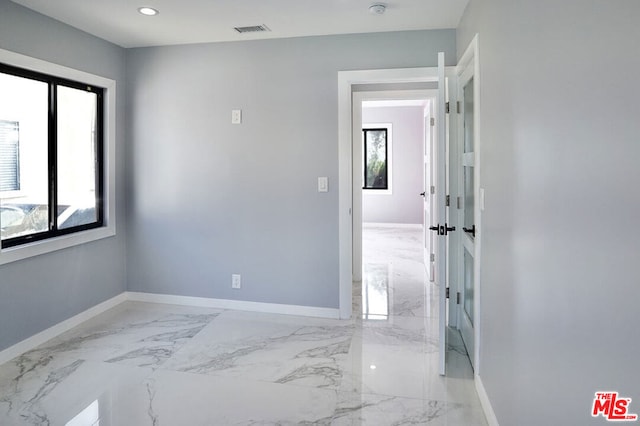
(442, 230)
(423, 193)
(471, 230)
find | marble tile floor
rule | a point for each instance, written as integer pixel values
(164, 365)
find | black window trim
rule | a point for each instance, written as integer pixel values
(386, 157)
(53, 82)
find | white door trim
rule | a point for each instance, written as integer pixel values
(346, 79)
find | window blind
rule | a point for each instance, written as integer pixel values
(9, 156)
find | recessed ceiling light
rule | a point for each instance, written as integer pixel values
(149, 11)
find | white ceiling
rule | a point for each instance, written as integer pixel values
(199, 21)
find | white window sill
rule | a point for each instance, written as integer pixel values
(37, 248)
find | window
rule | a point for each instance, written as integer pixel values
(51, 156)
(377, 157)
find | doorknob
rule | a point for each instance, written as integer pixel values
(442, 230)
(471, 230)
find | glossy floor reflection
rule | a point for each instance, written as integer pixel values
(148, 364)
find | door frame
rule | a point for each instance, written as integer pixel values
(346, 81)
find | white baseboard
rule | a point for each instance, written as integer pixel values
(66, 325)
(492, 420)
(56, 330)
(392, 225)
(239, 305)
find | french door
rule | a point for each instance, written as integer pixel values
(467, 260)
(470, 193)
(456, 206)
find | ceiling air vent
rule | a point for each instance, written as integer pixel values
(252, 29)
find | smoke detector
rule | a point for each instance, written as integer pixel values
(377, 9)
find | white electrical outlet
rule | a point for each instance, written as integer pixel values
(236, 281)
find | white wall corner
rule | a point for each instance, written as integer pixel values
(56, 330)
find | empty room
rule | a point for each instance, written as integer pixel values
(206, 218)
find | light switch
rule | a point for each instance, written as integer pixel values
(236, 116)
(323, 184)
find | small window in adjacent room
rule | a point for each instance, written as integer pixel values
(51, 156)
(377, 157)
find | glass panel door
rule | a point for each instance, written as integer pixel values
(468, 216)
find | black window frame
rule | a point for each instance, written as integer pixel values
(386, 158)
(52, 144)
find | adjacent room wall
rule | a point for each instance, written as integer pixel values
(403, 204)
(209, 199)
(42, 291)
(560, 150)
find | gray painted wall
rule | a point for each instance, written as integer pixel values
(560, 128)
(208, 199)
(40, 292)
(403, 205)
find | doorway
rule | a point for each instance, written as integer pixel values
(346, 204)
(394, 138)
(393, 192)
(350, 201)
(350, 183)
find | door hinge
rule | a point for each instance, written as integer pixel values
(447, 201)
(433, 189)
(459, 202)
(446, 107)
(447, 293)
(457, 298)
(432, 121)
(432, 257)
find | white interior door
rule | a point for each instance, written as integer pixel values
(440, 229)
